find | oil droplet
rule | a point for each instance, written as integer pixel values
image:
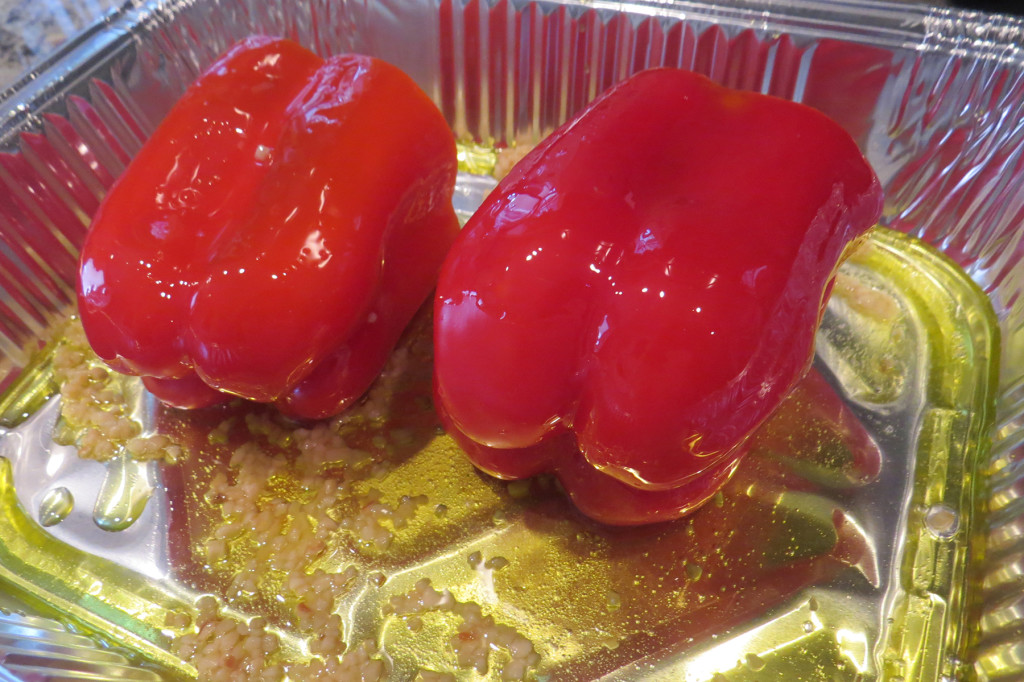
(123, 496)
(942, 521)
(56, 506)
(808, 626)
(496, 563)
(755, 662)
(263, 153)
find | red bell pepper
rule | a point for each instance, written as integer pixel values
(275, 235)
(643, 289)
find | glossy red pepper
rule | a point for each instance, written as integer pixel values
(275, 235)
(643, 290)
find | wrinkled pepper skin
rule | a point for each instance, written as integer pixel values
(643, 289)
(276, 234)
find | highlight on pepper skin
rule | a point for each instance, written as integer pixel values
(283, 187)
(642, 291)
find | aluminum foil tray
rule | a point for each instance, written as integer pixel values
(873, 533)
